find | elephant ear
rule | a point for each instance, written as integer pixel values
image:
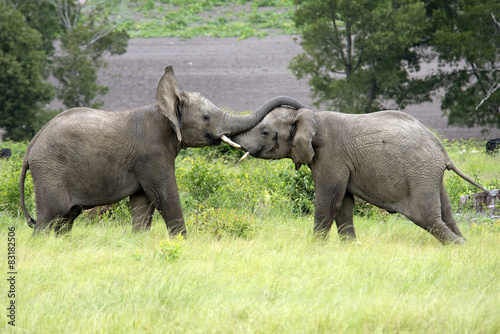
(305, 129)
(168, 97)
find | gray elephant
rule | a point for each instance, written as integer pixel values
(387, 158)
(85, 157)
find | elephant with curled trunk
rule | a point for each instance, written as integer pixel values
(86, 157)
(387, 158)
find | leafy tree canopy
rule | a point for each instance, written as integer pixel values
(466, 35)
(357, 53)
(88, 33)
(23, 90)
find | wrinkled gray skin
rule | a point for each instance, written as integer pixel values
(387, 158)
(85, 157)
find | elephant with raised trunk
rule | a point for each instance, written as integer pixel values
(86, 157)
(387, 158)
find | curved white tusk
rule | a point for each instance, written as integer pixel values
(244, 156)
(229, 141)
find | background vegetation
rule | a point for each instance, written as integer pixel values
(249, 263)
(359, 55)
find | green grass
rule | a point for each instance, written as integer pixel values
(105, 279)
(212, 18)
(267, 275)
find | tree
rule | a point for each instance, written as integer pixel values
(23, 90)
(466, 35)
(89, 32)
(358, 53)
(41, 16)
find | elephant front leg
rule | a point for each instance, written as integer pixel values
(161, 190)
(142, 211)
(328, 204)
(172, 214)
(168, 203)
(344, 219)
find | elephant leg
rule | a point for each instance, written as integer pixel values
(447, 214)
(164, 195)
(142, 211)
(64, 224)
(328, 204)
(344, 219)
(426, 213)
(50, 209)
(439, 230)
(171, 211)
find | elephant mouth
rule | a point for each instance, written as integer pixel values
(212, 140)
(258, 153)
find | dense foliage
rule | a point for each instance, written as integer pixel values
(466, 35)
(216, 189)
(86, 36)
(86, 31)
(23, 91)
(358, 54)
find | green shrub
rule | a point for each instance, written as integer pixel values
(9, 187)
(220, 222)
(457, 187)
(119, 212)
(299, 188)
(168, 249)
(15, 148)
(200, 178)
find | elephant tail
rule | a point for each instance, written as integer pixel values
(31, 222)
(451, 166)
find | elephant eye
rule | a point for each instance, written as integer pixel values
(180, 105)
(206, 117)
(264, 133)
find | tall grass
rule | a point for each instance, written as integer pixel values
(105, 279)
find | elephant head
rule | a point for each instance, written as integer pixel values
(198, 122)
(283, 133)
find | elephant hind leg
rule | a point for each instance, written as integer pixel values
(447, 214)
(439, 230)
(426, 213)
(142, 211)
(64, 224)
(344, 219)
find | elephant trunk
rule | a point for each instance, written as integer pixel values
(237, 124)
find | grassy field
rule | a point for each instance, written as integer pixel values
(213, 18)
(275, 278)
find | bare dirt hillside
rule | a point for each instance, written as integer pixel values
(237, 75)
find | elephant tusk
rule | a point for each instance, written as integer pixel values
(229, 141)
(244, 156)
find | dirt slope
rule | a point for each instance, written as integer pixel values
(237, 75)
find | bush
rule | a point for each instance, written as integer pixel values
(168, 249)
(16, 148)
(119, 212)
(9, 187)
(220, 222)
(300, 189)
(200, 178)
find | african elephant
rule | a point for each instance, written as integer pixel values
(86, 157)
(387, 158)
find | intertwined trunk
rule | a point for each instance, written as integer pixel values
(234, 125)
